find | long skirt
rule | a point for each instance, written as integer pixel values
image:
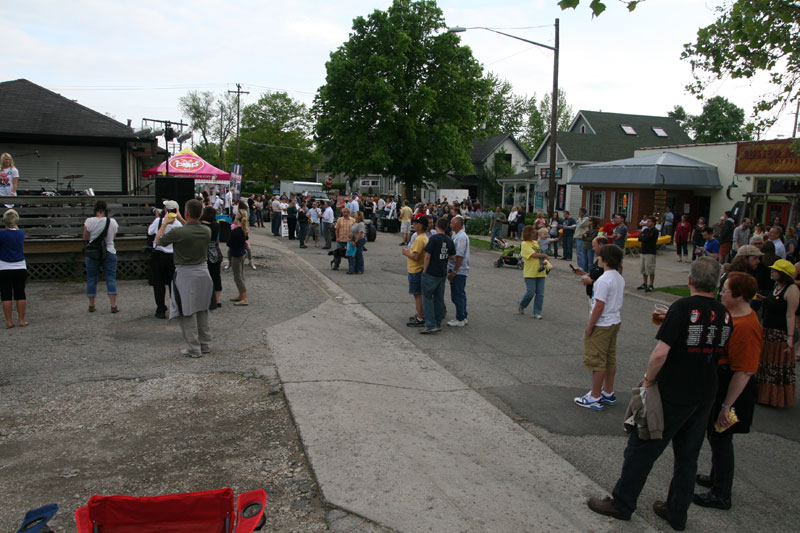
(775, 376)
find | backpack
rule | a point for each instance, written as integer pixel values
(96, 249)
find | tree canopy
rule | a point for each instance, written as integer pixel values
(597, 6)
(748, 38)
(402, 98)
(213, 117)
(275, 140)
(720, 121)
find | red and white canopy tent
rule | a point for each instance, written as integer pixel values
(187, 164)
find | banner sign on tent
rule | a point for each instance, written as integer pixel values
(236, 181)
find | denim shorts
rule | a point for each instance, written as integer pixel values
(415, 283)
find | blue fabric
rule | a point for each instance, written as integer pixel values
(535, 292)
(415, 283)
(458, 295)
(11, 245)
(581, 257)
(109, 273)
(433, 299)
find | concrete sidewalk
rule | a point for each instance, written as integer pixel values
(395, 438)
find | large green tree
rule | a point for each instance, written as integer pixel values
(275, 140)
(720, 121)
(506, 111)
(537, 120)
(751, 37)
(402, 98)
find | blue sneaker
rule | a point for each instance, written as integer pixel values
(608, 399)
(588, 402)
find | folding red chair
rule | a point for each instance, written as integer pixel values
(210, 511)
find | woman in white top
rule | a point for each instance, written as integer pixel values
(9, 176)
(92, 229)
(512, 223)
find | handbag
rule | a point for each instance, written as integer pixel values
(214, 253)
(96, 249)
(351, 250)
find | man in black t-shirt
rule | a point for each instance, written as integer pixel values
(647, 255)
(438, 251)
(684, 365)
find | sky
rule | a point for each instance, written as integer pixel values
(134, 60)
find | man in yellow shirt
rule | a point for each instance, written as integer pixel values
(405, 223)
(416, 261)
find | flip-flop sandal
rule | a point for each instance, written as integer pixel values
(9, 327)
(240, 303)
(24, 324)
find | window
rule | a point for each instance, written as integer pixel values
(583, 129)
(597, 203)
(370, 183)
(623, 203)
(761, 185)
(628, 129)
(660, 132)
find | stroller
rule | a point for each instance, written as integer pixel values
(509, 254)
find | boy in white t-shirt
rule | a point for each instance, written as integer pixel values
(600, 338)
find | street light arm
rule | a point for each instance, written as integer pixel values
(460, 29)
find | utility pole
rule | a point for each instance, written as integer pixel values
(796, 113)
(221, 130)
(551, 189)
(238, 92)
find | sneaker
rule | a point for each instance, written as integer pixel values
(520, 309)
(188, 353)
(650, 289)
(253, 267)
(465, 321)
(457, 323)
(589, 403)
(642, 287)
(415, 322)
(538, 317)
(428, 331)
(608, 399)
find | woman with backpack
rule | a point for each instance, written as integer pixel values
(100, 231)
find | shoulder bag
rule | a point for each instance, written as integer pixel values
(96, 249)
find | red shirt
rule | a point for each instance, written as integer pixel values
(744, 346)
(609, 228)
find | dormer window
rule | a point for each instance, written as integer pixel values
(583, 129)
(628, 129)
(660, 132)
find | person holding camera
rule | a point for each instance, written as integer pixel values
(93, 229)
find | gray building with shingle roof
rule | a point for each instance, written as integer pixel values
(594, 137)
(50, 137)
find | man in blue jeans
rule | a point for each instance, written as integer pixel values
(457, 269)
(496, 228)
(438, 251)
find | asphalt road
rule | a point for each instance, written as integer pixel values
(533, 369)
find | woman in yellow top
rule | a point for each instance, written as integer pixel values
(533, 274)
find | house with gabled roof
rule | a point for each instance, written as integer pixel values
(594, 137)
(488, 154)
(52, 137)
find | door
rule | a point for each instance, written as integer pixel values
(777, 209)
(703, 207)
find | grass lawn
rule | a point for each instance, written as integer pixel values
(480, 243)
(677, 290)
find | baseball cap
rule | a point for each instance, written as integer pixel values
(782, 265)
(170, 205)
(748, 250)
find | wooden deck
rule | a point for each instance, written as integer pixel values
(53, 228)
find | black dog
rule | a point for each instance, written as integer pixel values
(338, 254)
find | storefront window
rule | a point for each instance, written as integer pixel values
(597, 201)
(624, 204)
(761, 185)
(784, 186)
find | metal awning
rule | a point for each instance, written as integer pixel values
(665, 170)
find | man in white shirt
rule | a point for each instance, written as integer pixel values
(458, 268)
(162, 267)
(775, 234)
(354, 205)
(275, 212)
(327, 224)
(228, 202)
(218, 203)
